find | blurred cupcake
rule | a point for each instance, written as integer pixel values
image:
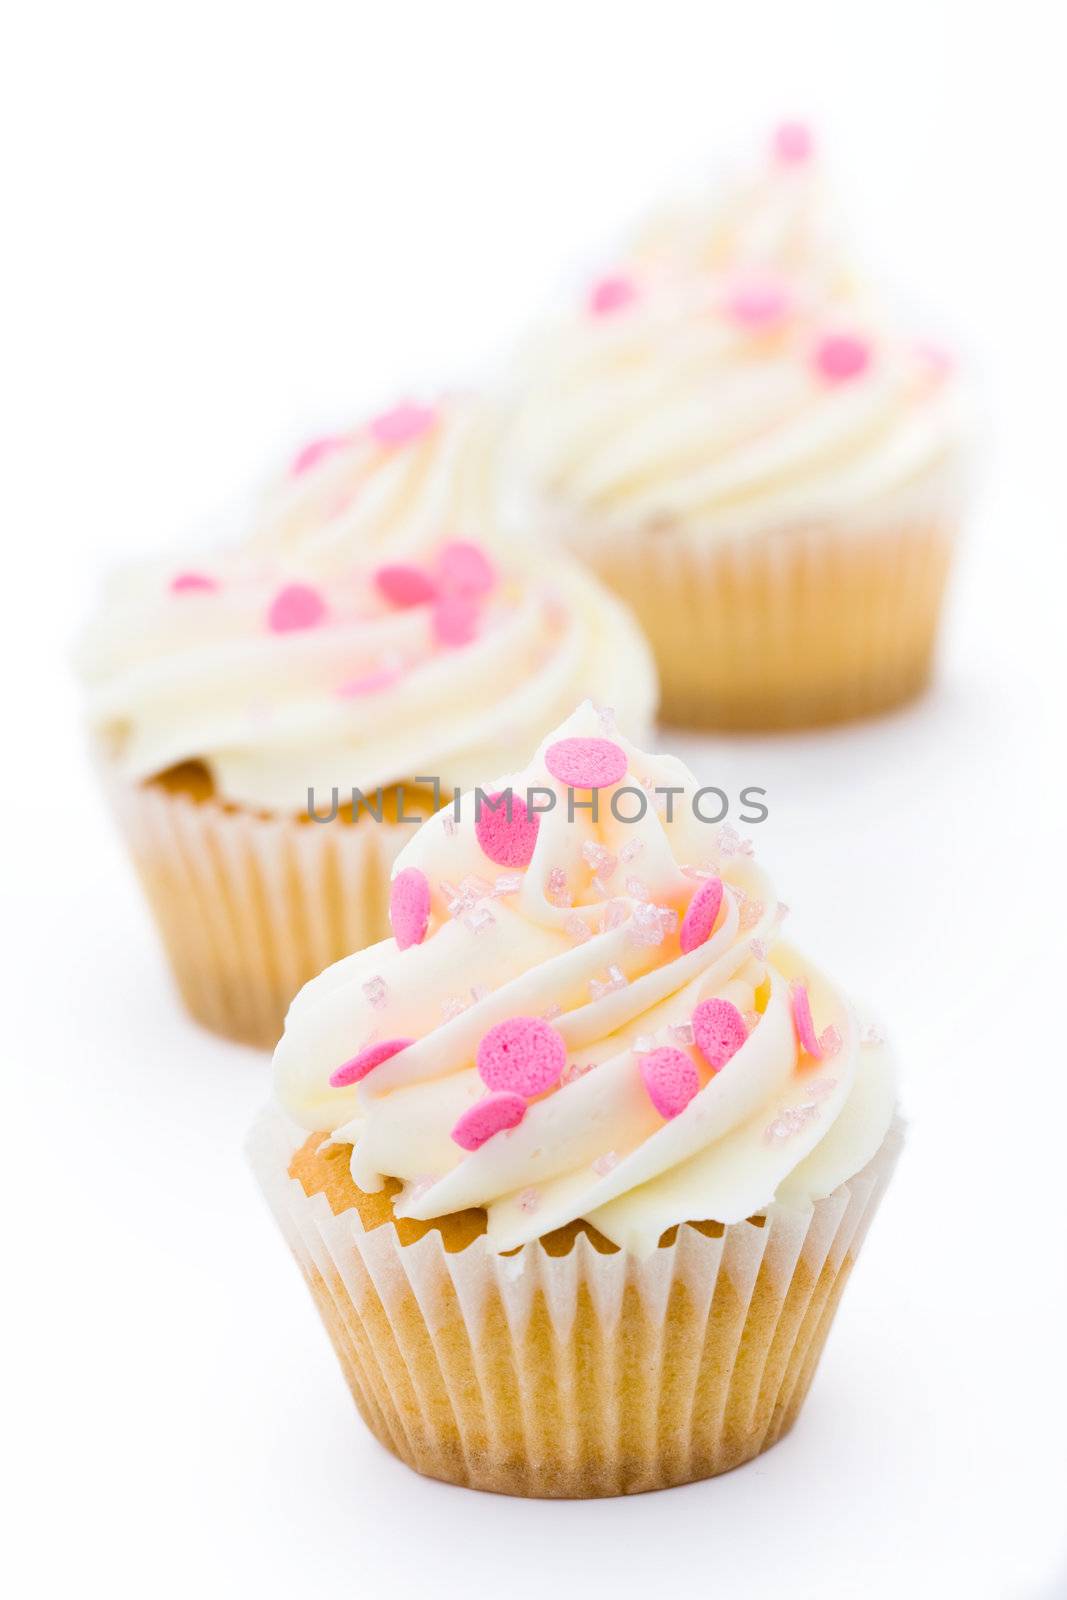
(364, 637)
(729, 432)
(577, 1165)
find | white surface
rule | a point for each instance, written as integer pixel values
(233, 223)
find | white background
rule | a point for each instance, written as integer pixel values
(228, 225)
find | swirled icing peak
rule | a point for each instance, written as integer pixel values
(731, 374)
(610, 1027)
(365, 632)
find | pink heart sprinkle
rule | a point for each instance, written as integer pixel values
(464, 568)
(718, 1031)
(367, 1059)
(491, 1115)
(841, 356)
(670, 1078)
(700, 916)
(803, 1023)
(404, 584)
(294, 607)
(455, 619)
(759, 303)
(314, 452)
(409, 907)
(611, 294)
(524, 1055)
(193, 582)
(402, 424)
(507, 841)
(793, 143)
(586, 763)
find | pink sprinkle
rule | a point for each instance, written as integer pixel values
(670, 1078)
(700, 917)
(611, 294)
(464, 568)
(402, 424)
(802, 1022)
(557, 890)
(314, 452)
(794, 143)
(455, 619)
(586, 763)
(491, 1115)
(409, 907)
(759, 303)
(605, 1163)
(524, 1055)
(935, 358)
(829, 1041)
(507, 840)
(368, 1058)
(718, 1031)
(294, 607)
(841, 356)
(190, 582)
(376, 992)
(370, 682)
(405, 585)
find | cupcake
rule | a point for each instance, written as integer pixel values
(577, 1164)
(728, 430)
(274, 718)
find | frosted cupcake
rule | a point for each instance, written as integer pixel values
(577, 1164)
(731, 433)
(365, 638)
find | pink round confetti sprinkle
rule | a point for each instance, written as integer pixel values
(405, 585)
(464, 568)
(491, 1115)
(611, 294)
(409, 907)
(296, 606)
(758, 304)
(402, 424)
(509, 841)
(586, 763)
(700, 916)
(314, 451)
(193, 583)
(524, 1055)
(455, 619)
(794, 143)
(670, 1078)
(718, 1031)
(805, 1027)
(367, 1059)
(841, 356)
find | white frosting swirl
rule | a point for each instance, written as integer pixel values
(703, 397)
(280, 664)
(772, 1123)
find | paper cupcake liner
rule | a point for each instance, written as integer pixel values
(813, 625)
(249, 907)
(581, 1374)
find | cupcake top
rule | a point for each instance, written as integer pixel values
(363, 633)
(732, 376)
(586, 1011)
